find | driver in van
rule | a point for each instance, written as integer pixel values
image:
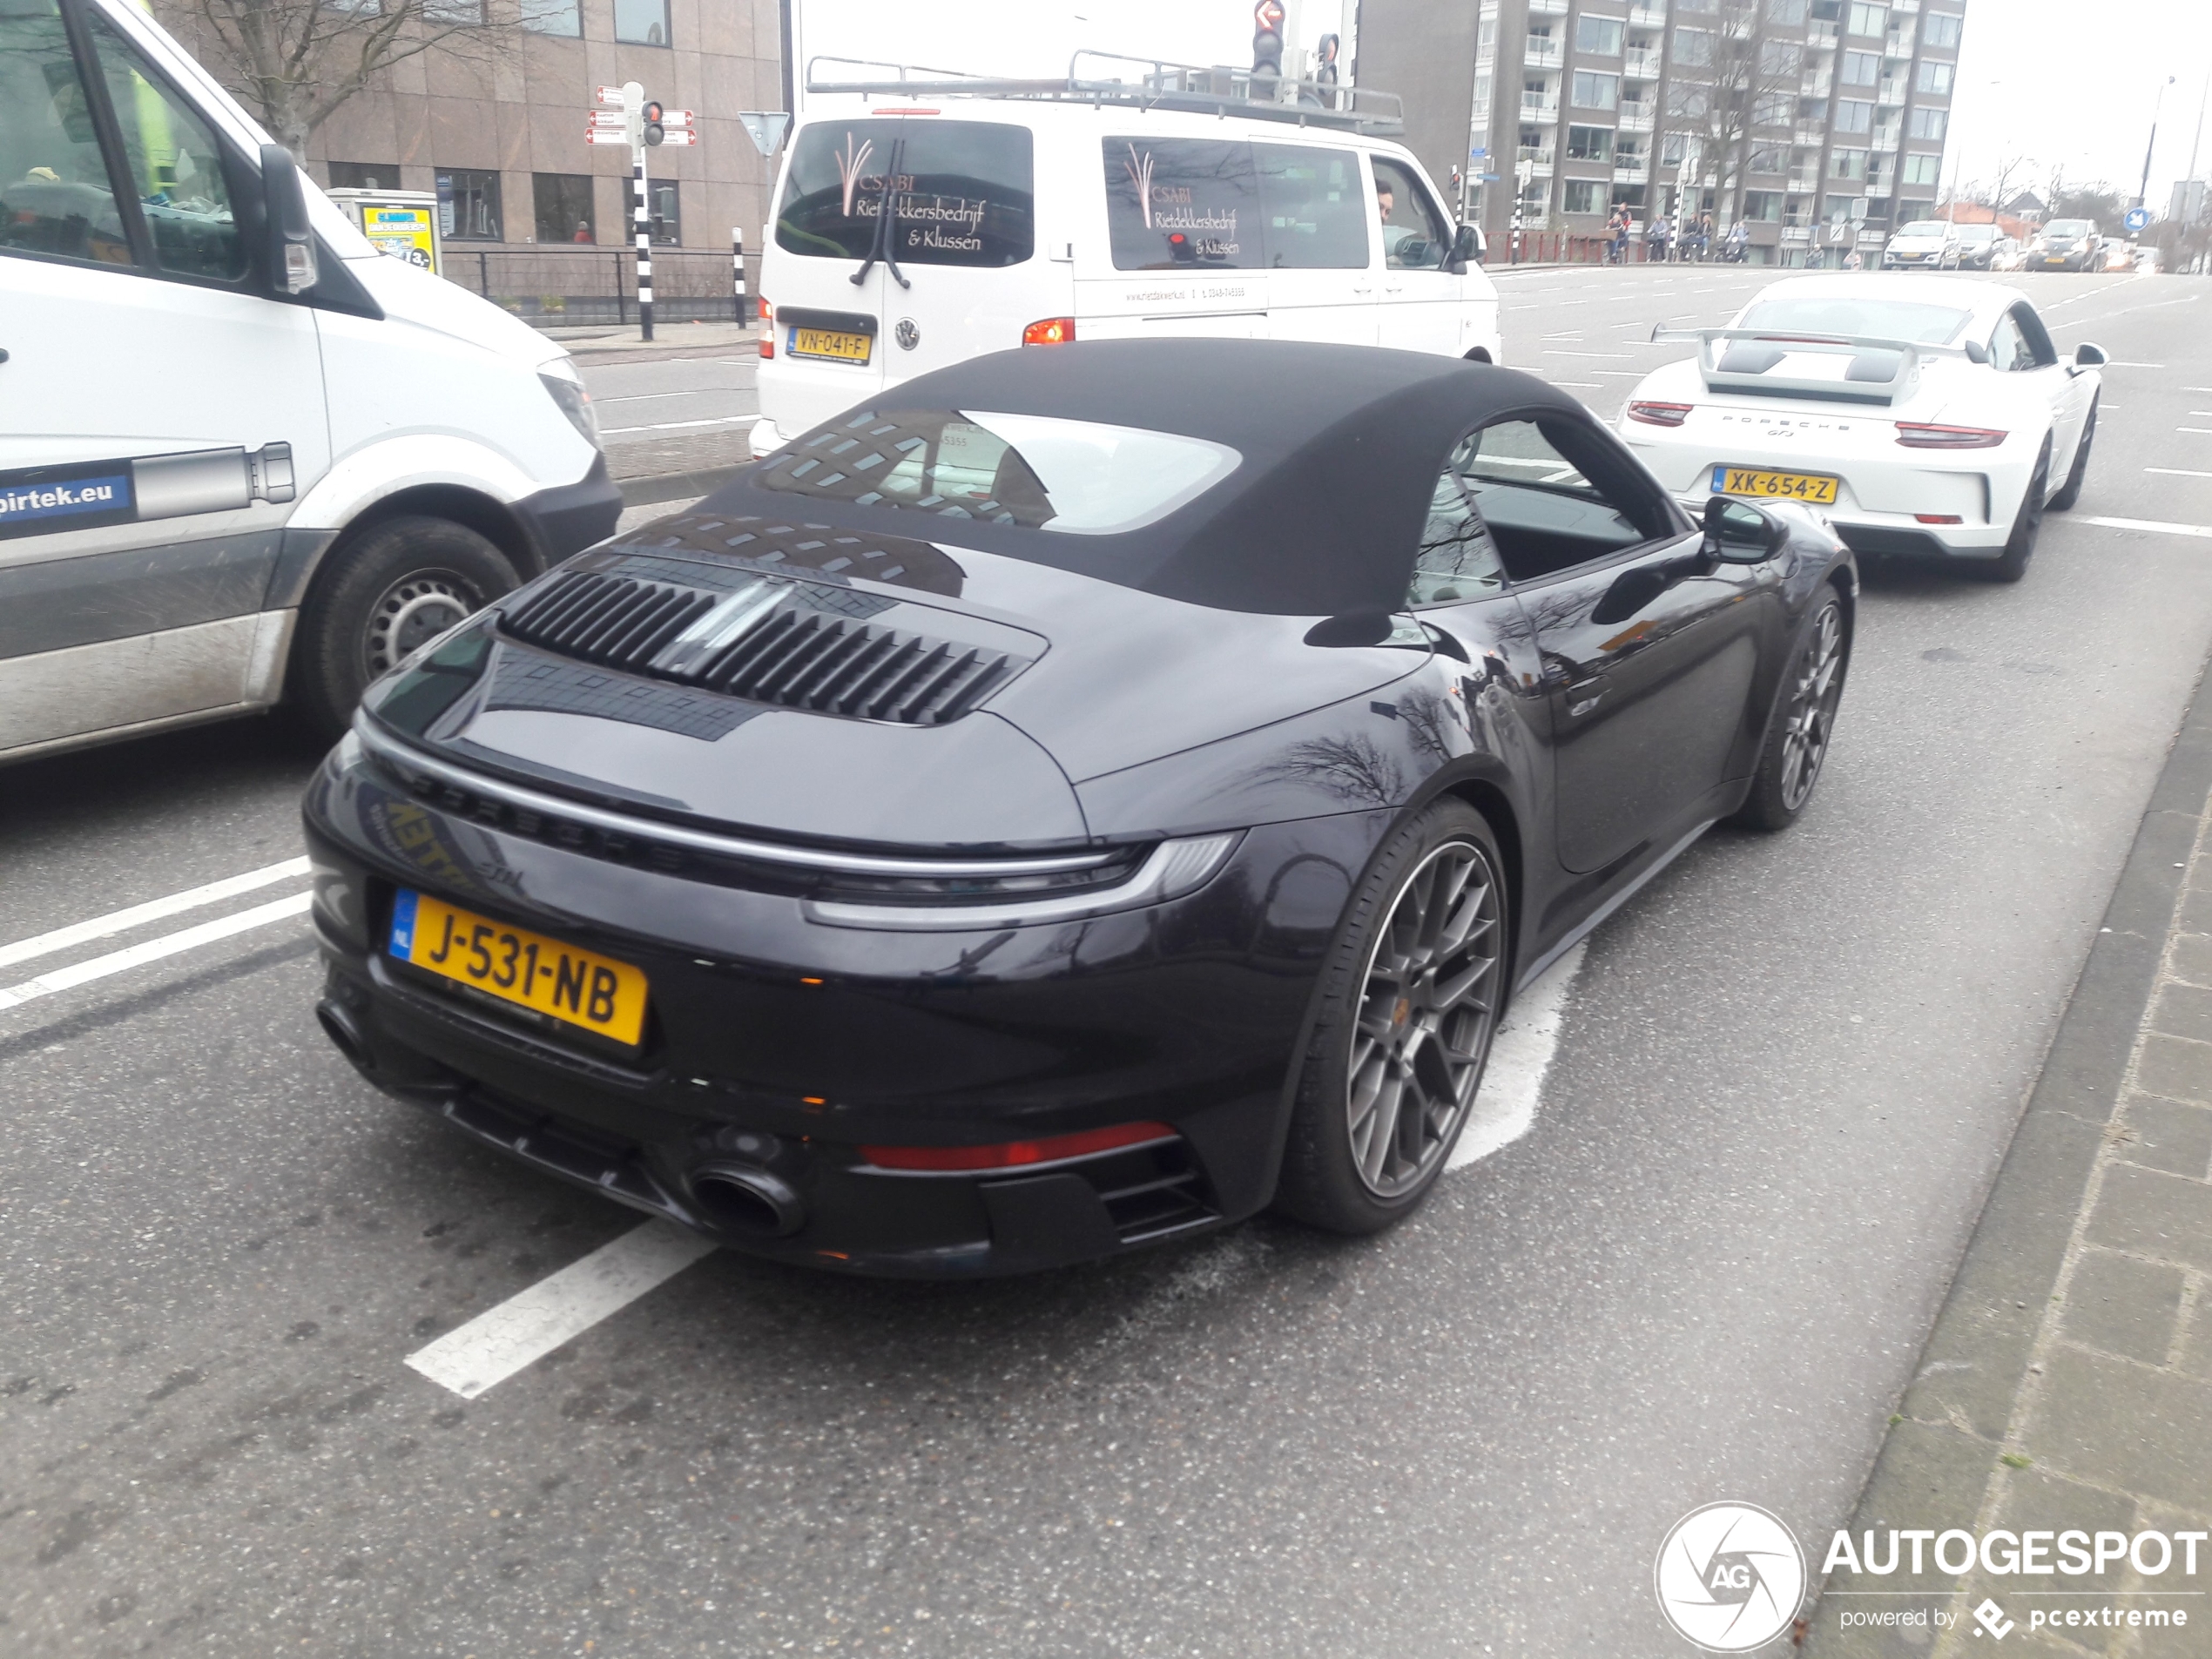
(1386, 198)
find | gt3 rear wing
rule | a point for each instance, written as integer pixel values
(1742, 361)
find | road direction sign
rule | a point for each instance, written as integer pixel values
(2138, 220)
(610, 95)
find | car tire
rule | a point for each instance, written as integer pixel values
(1805, 721)
(379, 596)
(2027, 524)
(2077, 475)
(1409, 997)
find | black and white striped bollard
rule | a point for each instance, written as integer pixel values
(644, 220)
(736, 271)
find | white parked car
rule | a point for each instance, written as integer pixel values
(1921, 414)
(243, 456)
(1930, 244)
(1172, 205)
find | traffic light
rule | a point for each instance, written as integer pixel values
(1325, 55)
(1267, 42)
(654, 131)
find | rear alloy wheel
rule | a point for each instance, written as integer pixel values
(2070, 491)
(398, 587)
(2019, 546)
(1411, 994)
(1796, 745)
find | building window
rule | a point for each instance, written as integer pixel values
(1769, 157)
(1694, 48)
(1785, 12)
(1841, 210)
(454, 14)
(1923, 170)
(1928, 124)
(1867, 19)
(1691, 103)
(553, 16)
(1586, 195)
(1940, 29)
(1935, 79)
(1598, 34)
(1672, 149)
(643, 22)
(467, 205)
(1853, 116)
(1812, 113)
(564, 204)
(1697, 5)
(1847, 164)
(1596, 92)
(1763, 205)
(1627, 196)
(1589, 143)
(667, 226)
(1781, 57)
(1860, 68)
(1773, 110)
(364, 175)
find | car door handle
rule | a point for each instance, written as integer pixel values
(1362, 293)
(1584, 695)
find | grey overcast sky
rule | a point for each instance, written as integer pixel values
(2065, 84)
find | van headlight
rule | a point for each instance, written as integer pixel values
(565, 386)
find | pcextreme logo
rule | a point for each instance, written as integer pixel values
(1729, 1577)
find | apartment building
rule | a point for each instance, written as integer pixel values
(1822, 123)
(497, 129)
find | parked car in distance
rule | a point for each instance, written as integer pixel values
(1930, 244)
(2066, 244)
(1981, 246)
(1924, 414)
(243, 456)
(2011, 254)
(1031, 817)
(1135, 201)
(2119, 256)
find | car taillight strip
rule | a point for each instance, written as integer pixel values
(1015, 1154)
(1926, 435)
(1660, 414)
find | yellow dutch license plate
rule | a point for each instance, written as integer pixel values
(1816, 488)
(827, 343)
(579, 988)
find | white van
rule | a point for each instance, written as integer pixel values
(243, 457)
(1034, 213)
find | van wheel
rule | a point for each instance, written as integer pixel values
(398, 585)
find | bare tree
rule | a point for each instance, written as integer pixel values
(295, 61)
(1731, 79)
(1998, 189)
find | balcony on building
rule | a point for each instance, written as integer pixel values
(1892, 91)
(1642, 63)
(1886, 139)
(1900, 41)
(1904, 8)
(1539, 106)
(1647, 14)
(1880, 188)
(1811, 133)
(1544, 52)
(1542, 159)
(1819, 33)
(1631, 170)
(1636, 115)
(1547, 7)
(1818, 83)
(1804, 184)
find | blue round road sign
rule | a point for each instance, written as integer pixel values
(2138, 219)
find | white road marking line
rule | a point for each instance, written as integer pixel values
(2200, 431)
(153, 950)
(2153, 524)
(2197, 389)
(2178, 472)
(2116, 363)
(1520, 1055)
(670, 425)
(527, 1327)
(1616, 356)
(117, 922)
(1580, 385)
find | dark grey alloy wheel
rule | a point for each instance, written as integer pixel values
(2027, 526)
(1408, 1001)
(1428, 1008)
(1804, 723)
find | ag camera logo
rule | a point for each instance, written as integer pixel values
(1729, 1577)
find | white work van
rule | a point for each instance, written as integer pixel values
(921, 222)
(243, 456)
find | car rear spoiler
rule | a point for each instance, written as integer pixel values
(1880, 371)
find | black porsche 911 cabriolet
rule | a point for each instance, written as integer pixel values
(1075, 801)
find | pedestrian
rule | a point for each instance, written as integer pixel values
(1619, 226)
(1739, 242)
(1654, 240)
(583, 232)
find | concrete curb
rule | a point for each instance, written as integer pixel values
(1936, 1464)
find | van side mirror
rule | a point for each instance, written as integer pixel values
(291, 252)
(2089, 356)
(1467, 249)
(1736, 532)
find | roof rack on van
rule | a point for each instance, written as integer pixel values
(1216, 91)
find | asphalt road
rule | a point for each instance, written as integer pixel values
(1784, 1077)
(676, 415)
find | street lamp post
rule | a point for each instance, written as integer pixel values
(2156, 105)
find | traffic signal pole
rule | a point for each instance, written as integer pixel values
(643, 216)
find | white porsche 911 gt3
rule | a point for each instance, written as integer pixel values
(1921, 414)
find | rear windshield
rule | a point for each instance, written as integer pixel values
(2068, 227)
(1977, 233)
(1225, 204)
(1874, 319)
(1038, 472)
(961, 192)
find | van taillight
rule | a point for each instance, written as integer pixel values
(1050, 331)
(767, 327)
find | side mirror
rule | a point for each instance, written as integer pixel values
(1738, 533)
(291, 251)
(1467, 249)
(2089, 356)
(1976, 351)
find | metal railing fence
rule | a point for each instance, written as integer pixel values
(551, 286)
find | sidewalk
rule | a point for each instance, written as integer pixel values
(2068, 1384)
(608, 343)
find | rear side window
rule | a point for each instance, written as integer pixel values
(55, 197)
(1544, 511)
(959, 193)
(1231, 205)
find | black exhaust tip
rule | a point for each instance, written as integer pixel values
(345, 1033)
(745, 1200)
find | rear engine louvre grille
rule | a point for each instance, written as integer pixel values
(765, 642)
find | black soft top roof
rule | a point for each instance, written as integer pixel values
(1341, 447)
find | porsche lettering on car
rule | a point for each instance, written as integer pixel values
(1921, 414)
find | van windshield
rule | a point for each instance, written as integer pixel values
(964, 194)
(1038, 472)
